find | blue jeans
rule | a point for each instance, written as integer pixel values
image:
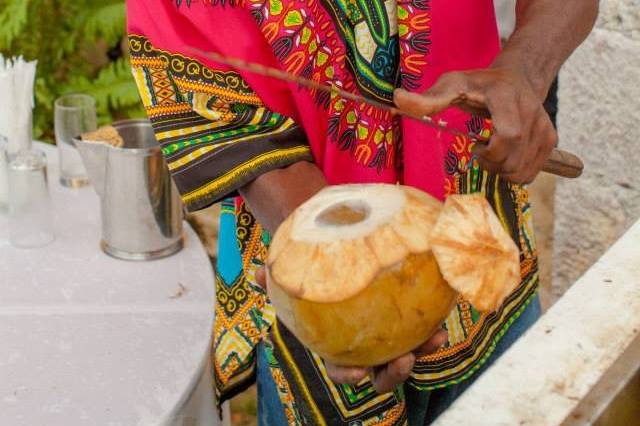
(270, 409)
(423, 407)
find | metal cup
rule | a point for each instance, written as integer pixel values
(140, 206)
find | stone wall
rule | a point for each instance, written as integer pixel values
(599, 119)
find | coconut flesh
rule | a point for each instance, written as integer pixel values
(362, 274)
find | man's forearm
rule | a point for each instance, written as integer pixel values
(547, 32)
(274, 195)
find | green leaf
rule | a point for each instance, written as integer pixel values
(107, 22)
(13, 20)
(70, 40)
(113, 88)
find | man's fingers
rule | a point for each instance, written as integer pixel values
(492, 155)
(345, 375)
(546, 139)
(450, 89)
(421, 105)
(493, 168)
(261, 277)
(519, 144)
(530, 172)
(512, 151)
(386, 379)
(462, 88)
(508, 129)
(436, 341)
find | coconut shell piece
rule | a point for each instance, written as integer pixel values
(476, 255)
(106, 134)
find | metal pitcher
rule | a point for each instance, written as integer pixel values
(140, 206)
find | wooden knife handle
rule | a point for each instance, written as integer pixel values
(564, 164)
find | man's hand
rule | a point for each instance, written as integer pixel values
(523, 135)
(272, 197)
(513, 88)
(384, 378)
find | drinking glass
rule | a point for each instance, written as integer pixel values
(30, 212)
(74, 115)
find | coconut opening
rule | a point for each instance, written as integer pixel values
(343, 214)
(346, 212)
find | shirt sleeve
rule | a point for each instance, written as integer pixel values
(214, 131)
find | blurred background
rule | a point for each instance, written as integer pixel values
(80, 47)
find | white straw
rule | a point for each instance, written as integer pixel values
(17, 78)
(20, 105)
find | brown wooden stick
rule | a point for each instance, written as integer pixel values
(560, 163)
(563, 163)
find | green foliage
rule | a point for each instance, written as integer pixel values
(78, 47)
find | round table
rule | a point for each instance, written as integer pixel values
(86, 339)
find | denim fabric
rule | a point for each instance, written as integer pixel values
(425, 406)
(270, 409)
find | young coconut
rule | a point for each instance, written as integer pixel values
(359, 273)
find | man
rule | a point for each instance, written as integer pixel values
(506, 17)
(226, 133)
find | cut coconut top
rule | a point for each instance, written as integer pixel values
(346, 212)
(335, 244)
(476, 255)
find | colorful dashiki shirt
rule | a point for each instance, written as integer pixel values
(220, 128)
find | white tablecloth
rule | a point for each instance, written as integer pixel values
(86, 339)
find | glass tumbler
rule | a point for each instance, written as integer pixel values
(74, 115)
(30, 212)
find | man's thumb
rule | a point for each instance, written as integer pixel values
(420, 104)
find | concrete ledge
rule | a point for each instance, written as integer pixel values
(546, 375)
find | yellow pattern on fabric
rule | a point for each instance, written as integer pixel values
(488, 341)
(454, 328)
(499, 209)
(227, 179)
(318, 419)
(186, 131)
(338, 400)
(182, 161)
(139, 76)
(231, 95)
(199, 112)
(155, 111)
